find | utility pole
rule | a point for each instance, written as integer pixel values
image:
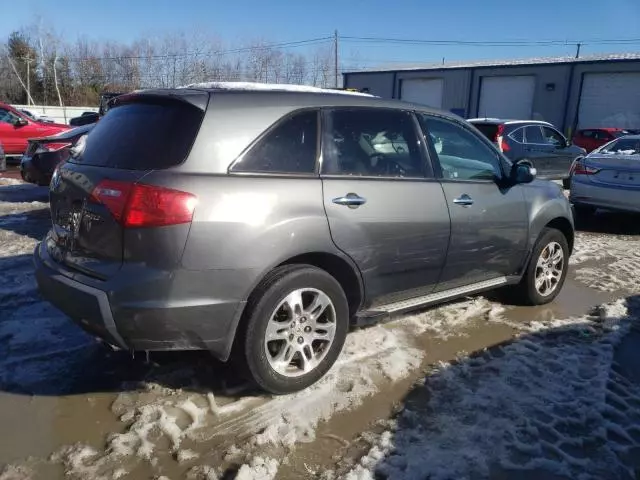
(27, 60)
(578, 45)
(335, 55)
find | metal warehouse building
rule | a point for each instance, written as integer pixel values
(602, 91)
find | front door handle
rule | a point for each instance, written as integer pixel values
(464, 200)
(351, 200)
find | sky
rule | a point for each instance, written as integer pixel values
(274, 21)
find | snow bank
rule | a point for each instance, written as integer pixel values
(550, 403)
(270, 87)
(4, 181)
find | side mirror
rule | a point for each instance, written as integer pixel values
(523, 172)
(20, 122)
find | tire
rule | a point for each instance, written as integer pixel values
(566, 183)
(269, 308)
(526, 291)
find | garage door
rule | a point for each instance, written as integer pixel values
(425, 91)
(507, 97)
(610, 100)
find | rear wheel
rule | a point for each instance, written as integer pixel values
(547, 269)
(297, 322)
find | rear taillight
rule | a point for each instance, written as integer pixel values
(52, 147)
(501, 140)
(581, 169)
(138, 205)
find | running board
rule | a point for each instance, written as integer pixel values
(375, 315)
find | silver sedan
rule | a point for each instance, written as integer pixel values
(609, 177)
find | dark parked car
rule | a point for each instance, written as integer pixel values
(92, 117)
(592, 138)
(265, 223)
(539, 142)
(86, 118)
(43, 155)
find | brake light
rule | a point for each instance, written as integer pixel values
(501, 140)
(581, 169)
(139, 205)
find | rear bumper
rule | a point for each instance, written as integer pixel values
(138, 313)
(625, 199)
(38, 169)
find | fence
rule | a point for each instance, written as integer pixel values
(56, 113)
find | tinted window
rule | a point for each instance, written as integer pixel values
(142, 136)
(462, 155)
(533, 134)
(553, 137)
(586, 133)
(489, 130)
(289, 147)
(518, 135)
(619, 133)
(371, 142)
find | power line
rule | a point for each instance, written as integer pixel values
(491, 43)
(312, 41)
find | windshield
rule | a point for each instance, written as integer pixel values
(623, 146)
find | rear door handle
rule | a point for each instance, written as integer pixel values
(351, 200)
(464, 200)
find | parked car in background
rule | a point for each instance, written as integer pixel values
(37, 118)
(201, 218)
(592, 138)
(3, 159)
(16, 129)
(43, 155)
(85, 119)
(539, 142)
(92, 117)
(609, 177)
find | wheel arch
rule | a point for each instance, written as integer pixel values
(564, 226)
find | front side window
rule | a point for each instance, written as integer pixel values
(462, 155)
(533, 134)
(371, 142)
(7, 117)
(289, 147)
(552, 137)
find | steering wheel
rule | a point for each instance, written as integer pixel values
(388, 167)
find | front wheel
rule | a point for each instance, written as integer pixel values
(547, 269)
(296, 326)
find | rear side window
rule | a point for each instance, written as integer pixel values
(586, 133)
(489, 130)
(289, 147)
(533, 134)
(518, 135)
(142, 136)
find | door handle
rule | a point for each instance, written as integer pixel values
(351, 200)
(464, 200)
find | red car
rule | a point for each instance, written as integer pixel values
(16, 129)
(592, 138)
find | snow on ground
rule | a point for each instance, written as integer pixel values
(551, 404)
(622, 257)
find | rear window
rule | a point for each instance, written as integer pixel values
(489, 130)
(142, 136)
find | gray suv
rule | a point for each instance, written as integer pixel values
(261, 225)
